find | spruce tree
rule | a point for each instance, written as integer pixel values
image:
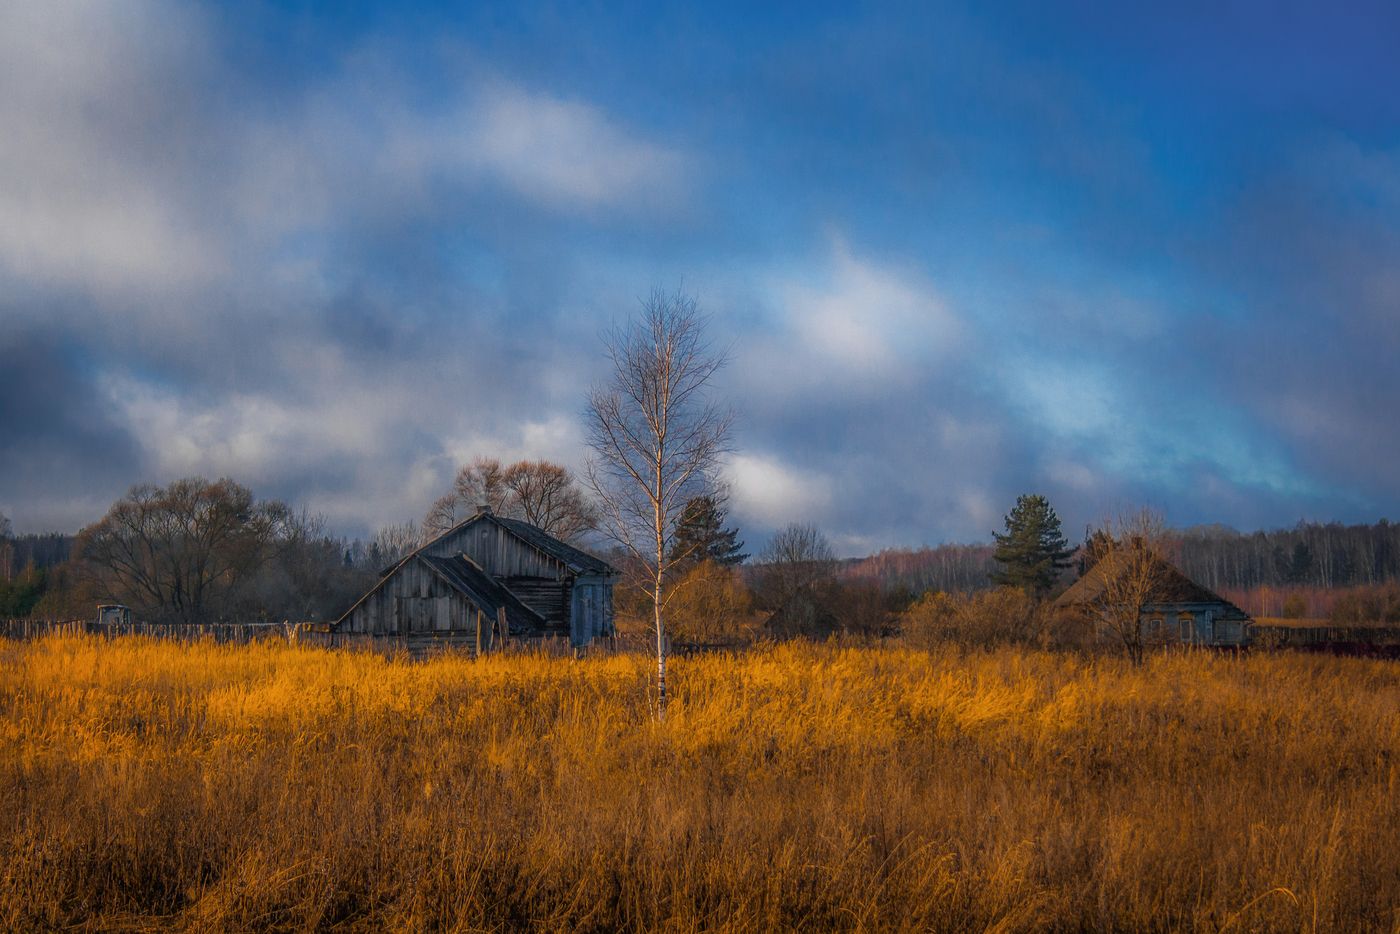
(701, 535)
(1033, 550)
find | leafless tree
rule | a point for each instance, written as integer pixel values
(656, 438)
(480, 483)
(542, 493)
(175, 552)
(547, 495)
(797, 558)
(6, 549)
(393, 542)
(1131, 569)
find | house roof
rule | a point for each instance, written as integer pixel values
(1172, 586)
(576, 560)
(466, 577)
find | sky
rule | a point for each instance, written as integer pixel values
(1117, 254)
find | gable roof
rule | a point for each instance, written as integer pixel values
(576, 560)
(1172, 587)
(467, 578)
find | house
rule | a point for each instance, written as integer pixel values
(1178, 611)
(484, 580)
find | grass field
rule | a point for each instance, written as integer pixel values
(154, 785)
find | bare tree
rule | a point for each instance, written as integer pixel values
(547, 495)
(393, 542)
(480, 483)
(542, 493)
(656, 439)
(7, 549)
(1131, 569)
(797, 558)
(177, 552)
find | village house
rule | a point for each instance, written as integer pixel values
(484, 581)
(1178, 610)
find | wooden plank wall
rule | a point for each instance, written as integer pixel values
(413, 599)
(548, 597)
(499, 553)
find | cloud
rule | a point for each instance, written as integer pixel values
(847, 325)
(766, 491)
(567, 154)
(64, 447)
(91, 91)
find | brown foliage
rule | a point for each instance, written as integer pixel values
(1004, 616)
(710, 604)
(1361, 605)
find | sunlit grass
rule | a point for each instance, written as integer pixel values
(148, 784)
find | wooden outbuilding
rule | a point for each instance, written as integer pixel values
(1179, 611)
(502, 577)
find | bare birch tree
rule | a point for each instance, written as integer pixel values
(656, 438)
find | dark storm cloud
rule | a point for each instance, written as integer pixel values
(65, 452)
(957, 259)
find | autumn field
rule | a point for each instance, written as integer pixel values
(149, 785)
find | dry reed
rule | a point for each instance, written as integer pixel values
(149, 785)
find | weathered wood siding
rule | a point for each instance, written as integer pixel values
(412, 600)
(498, 552)
(547, 596)
(1194, 624)
(591, 609)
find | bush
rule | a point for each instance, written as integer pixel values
(1004, 616)
(710, 604)
(1380, 604)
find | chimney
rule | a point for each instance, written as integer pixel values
(484, 509)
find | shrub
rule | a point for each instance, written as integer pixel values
(1004, 616)
(710, 604)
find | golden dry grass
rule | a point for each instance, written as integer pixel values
(153, 785)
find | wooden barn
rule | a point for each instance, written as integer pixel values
(1180, 612)
(502, 577)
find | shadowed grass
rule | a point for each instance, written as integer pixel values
(155, 785)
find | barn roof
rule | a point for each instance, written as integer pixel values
(1172, 587)
(466, 576)
(576, 560)
(580, 562)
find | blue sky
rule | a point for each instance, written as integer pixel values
(1114, 254)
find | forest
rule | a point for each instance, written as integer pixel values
(298, 571)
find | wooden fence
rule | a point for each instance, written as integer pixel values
(313, 634)
(237, 633)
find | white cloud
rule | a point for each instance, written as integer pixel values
(765, 490)
(857, 327)
(566, 154)
(90, 91)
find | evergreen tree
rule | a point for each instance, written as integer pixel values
(1033, 551)
(701, 535)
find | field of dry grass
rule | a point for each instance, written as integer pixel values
(153, 785)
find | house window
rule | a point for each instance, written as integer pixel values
(1154, 629)
(1187, 628)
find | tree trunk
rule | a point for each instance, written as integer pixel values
(660, 629)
